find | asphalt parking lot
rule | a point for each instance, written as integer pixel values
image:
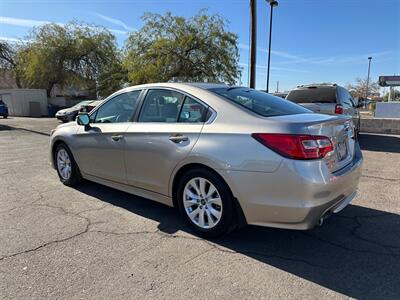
(94, 242)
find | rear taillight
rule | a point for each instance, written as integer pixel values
(296, 146)
(338, 109)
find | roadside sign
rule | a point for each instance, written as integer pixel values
(389, 80)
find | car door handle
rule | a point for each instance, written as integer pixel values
(178, 138)
(117, 137)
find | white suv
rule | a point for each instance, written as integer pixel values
(326, 99)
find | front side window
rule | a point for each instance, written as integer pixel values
(258, 102)
(118, 109)
(161, 106)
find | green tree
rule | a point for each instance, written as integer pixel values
(113, 78)
(359, 88)
(76, 54)
(169, 47)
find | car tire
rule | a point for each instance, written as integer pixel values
(66, 167)
(218, 216)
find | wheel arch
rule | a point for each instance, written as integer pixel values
(241, 219)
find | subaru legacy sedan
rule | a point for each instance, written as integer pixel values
(224, 155)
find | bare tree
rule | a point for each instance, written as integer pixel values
(8, 59)
(359, 88)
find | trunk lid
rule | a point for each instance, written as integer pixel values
(339, 129)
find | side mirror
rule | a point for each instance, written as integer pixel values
(83, 119)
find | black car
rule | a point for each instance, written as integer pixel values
(69, 114)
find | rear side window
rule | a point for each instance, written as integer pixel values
(313, 95)
(258, 102)
(192, 111)
(166, 106)
(161, 106)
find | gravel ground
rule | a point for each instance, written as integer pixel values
(95, 242)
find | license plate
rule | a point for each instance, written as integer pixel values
(341, 150)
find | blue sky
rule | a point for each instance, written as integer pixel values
(313, 40)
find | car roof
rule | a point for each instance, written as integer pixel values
(207, 86)
(177, 85)
(316, 86)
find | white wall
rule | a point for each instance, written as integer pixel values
(387, 110)
(21, 101)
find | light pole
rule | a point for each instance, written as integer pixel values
(272, 3)
(253, 43)
(369, 68)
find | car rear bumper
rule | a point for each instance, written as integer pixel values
(297, 195)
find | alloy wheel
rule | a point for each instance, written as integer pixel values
(64, 165)
(202, 203)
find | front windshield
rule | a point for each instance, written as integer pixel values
(81, 104)
(258, 102)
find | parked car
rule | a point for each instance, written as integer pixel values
(224, 155)
(280, 95)
(69, 114)
(3, 109)
(327, 99)
(88, 108)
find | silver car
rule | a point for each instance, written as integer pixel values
(224, 155)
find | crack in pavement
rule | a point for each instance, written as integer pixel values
(64, 212)
(196, 256)
(47, 244)
(213, 246)
(358, 225)
(244, 252)
(381, 178)
(40, 197)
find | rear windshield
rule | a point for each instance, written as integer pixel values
(313, 95)
(258, 102)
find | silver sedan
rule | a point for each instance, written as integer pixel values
(224, 155)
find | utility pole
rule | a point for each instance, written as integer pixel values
(369, 68)
(277, 86)
(272, 3)
(253, 43)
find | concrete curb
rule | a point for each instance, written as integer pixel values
(380, 125)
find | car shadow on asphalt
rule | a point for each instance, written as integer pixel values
(379, 143)
(356, 253)
(7, 127)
